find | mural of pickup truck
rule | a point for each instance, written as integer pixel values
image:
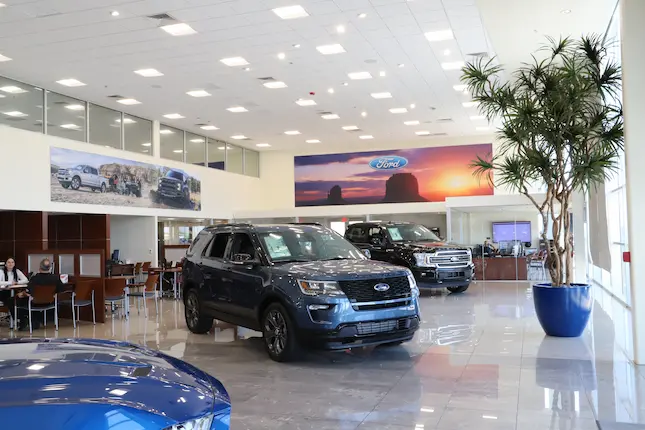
(173, 188)
(82, 176)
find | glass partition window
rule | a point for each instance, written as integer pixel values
(137, 134)
(65, 118)
(105, 126)
(21, 106)
(171, 141)
(216, 154)
(195, 149)
(251, 163)
(234, 159)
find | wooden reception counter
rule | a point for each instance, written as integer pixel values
(500, 268)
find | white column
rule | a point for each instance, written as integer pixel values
(156, 139)
(633, 62)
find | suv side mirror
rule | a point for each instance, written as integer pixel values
(244, 260)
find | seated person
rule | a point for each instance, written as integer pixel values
(10, 275)
(42, 278)
(489, 248)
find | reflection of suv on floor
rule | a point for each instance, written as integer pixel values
(173, 187)
(299, 285)
(434, 263)
(82, 176)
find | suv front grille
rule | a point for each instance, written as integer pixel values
(363, 290)
(382, 326)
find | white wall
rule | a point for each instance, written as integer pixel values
(135, 237)
(26, 173)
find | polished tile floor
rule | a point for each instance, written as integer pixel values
(480, 362)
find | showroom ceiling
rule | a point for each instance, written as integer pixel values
(376, 68)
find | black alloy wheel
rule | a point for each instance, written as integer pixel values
(195, 320)
(279, 336)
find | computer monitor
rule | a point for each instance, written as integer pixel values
(512, 231)
(115, 255)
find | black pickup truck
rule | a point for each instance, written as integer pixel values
(434, 263)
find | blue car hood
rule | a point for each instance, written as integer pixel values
(44, 372)
(341, 269)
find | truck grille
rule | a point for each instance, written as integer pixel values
(170, 186)
(363, 290)
(448, 259)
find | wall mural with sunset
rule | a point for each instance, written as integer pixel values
(399, 176)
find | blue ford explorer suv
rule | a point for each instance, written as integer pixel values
(300, 285)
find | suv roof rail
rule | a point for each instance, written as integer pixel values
(305, 223)
(232, 224)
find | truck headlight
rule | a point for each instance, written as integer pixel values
(201, 423)
(316, 288)
(423, 259)
(413, 285)
(179, 186)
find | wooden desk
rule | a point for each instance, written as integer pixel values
(500, 268)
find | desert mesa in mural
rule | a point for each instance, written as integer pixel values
(399, 176)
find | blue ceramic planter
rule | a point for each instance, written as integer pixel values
(563, 311)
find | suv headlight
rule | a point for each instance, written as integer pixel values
(317, 288)
(201, 423)
(413, 285)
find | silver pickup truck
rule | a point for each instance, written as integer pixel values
(82, 176)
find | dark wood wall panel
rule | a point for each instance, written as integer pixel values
(80, 231)
(21, 231)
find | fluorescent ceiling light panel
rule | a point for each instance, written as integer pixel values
(239, 137)
(331, 49)
(126, 121)
(422, 133)
(452, 65)
(306, 102)
(179, 29)
(366, 137)
(71, 82)
(146, 144)
(262, 145)
(291, 12)
(70, 126)
(129, 102)
(382, 95)
(312, 141)
(350, 128)
(148, 73)
(330, 116)
(411, 122)
(234, 61)
(15, 114)
(292, 132)
(173, 116)
(470, 104)
(208, 127)
(359, 75)
(237, 109)
(12, 89)
(178, 151)
(75, 107)
(198, 93)
(438, 36)
(460, 88)
(398, 110)
(166, 131)
(275, 85)
(4, 58)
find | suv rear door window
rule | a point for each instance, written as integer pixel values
(242, 244)
(218, 245)
(357, 234)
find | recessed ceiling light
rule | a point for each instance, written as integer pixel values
(198, 93)
(411, 122)
(296, 45)
(382, 95)
(282, 56)
(382, 73)
(363, 114)
(438, 36)
(4, 58)
(239, 137)
(470, 104)
(291, 12)
(178, 151)
(398, 110)
(303, 102)
(179, 29)
(208, 127)
(453, 65)
(246, 69)
(360, 75)
(460, 88)
(15, 113)
(145, 150)
(166, 131)
(237, 109)
(350, 128)
(70, 126)
(330, 49)
(482, 128)
(234, 61)
(345, 84)
(362, 15)
(3, 5)
(422, 133)
(446, 52)
(292, 132)
(340, 29)
(12, 89)
(221, 148)
(173, 116)
(477, 117)
(275, 84)
(71, 82)
(312, 141)
(146, 144)
(115, 13)
(330, 91)
(401, 65)
(129, 102)
(126, 120)
(366, 137)
(148, 73)
(75, 107)
(566, 11)
(262, 145)
(330, 116)
(197, 140)
(413, 106)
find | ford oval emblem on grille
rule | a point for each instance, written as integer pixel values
(454, 259)
(381, 287)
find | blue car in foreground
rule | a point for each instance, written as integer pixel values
(85, 384)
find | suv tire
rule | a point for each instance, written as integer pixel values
(66, 186)
(196, 321)
(279, 333)
(457, 290)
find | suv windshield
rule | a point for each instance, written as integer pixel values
(175, 175)
(411, 233)
(308, 244)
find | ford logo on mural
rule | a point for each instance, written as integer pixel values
(391, 162)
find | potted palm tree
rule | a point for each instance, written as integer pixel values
(561, 129)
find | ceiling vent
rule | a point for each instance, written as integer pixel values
(116, 96)
(163, 17)
(445, 120)
(438, 134)
(267, 79)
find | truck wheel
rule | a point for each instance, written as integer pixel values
(103, 188)
(66, 186)
(196, 321)
(460, 289)
(76, 183)
(279, 333)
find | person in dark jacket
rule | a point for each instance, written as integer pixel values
(44, 277)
